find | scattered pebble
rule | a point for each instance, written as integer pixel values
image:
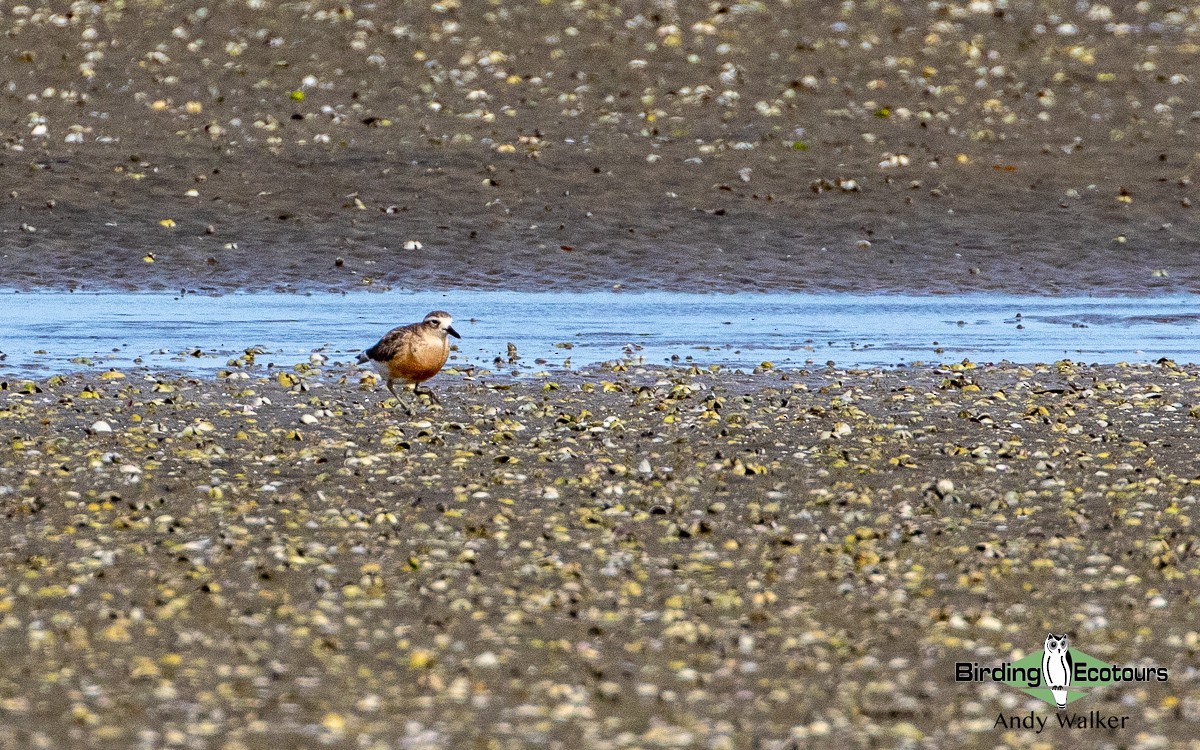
(582, 560)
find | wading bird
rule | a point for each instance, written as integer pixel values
(413, 354)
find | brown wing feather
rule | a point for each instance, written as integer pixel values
(392, 343)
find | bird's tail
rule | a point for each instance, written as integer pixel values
(362, 358)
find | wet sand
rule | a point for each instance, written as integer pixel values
(1032, 147)
(620, 557)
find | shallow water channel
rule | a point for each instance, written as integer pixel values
(48, 332)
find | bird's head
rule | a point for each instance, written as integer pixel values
(442, 323)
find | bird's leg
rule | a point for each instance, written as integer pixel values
(399, 401)
(428, 392)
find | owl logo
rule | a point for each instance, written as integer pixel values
(1057, 667)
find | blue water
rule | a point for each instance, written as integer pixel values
(47, 332)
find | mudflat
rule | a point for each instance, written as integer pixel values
(1038, 147)
(617, 557)
(621, 555)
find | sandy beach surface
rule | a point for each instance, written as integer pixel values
(1033, 147)
(614, 558)
(618, 556)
